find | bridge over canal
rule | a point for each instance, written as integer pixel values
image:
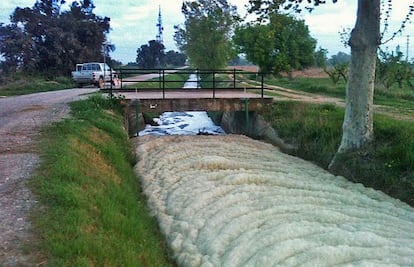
(159, 90)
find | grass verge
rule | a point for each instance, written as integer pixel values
(29, 85)
(94, 213)
(322, 86)
(387, 164)
(172, 81)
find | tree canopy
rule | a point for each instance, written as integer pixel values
(282, 45)
(44, 39)
(205, 36)
(151, 55)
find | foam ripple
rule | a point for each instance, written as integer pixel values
(232, 201)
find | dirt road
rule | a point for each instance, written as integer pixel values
(21, 119)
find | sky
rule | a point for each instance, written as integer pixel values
(133, 23)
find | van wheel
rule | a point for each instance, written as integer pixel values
(100, 83)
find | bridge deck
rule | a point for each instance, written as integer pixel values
(188, 94)
(194, 99)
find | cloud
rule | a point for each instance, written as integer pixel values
(331, 18)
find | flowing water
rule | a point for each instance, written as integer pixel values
(183, 123)
(192, 82)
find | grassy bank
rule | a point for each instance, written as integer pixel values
(18, 85)
(172, 81)
(94, 213)
(386, 165)
(323, 86)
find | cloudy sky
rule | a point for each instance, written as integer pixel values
(133, 22)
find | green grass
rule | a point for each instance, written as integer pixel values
(226, 80)
(387, 164)
(404, 93)
(94, 211)
(29, 85)
(322, 86)
(173, 81)
(314, 129)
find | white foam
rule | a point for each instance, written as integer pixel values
(232, 201)
(182, 123)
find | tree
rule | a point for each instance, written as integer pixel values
(15, 47)
(205, 35)
(357, 128)
(337, 71)
(174, 58)
(282, 45)
(257, 42)
(364, 41)
(321, 58)
(338, 67)
(393, 69)
(151, 55)
(43, 39)
(339, 58)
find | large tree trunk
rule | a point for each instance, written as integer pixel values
(364, 42)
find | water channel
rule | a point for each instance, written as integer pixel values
(184, 123)
(229, 200)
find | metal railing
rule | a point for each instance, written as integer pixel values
(133, 79)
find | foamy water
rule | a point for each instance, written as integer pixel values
(232, 201)
(182, 123)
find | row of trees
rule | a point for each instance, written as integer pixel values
(48, 40)
(391, 68)
(212, 35)
(152, 55)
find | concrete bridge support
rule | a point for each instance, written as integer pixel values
(135, 107)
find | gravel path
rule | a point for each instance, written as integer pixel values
(21, 119)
